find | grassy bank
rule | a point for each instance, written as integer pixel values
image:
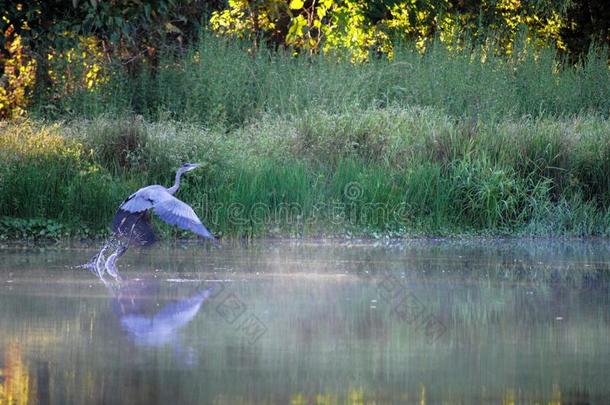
(373, 172)
(443, 143)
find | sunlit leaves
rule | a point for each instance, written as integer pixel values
(349, 33)
(346, 28)
(81, 67)
(246, 20)
(296, 4)
(329, 26)
(295, 32)
(18, 76)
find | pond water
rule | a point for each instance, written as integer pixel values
(280, 322)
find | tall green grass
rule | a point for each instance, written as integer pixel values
(46, 176)
(219, 83)
(374, 172)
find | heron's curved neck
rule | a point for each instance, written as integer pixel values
(176, 185)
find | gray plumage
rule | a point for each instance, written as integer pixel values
(132, 219)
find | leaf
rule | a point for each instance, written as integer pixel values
(296, 29)
(296, 4)
(321, 11)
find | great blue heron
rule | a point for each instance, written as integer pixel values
(132, 221)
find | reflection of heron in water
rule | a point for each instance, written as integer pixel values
(145, 320)
(154, 314)
(131, 224)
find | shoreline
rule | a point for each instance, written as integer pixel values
(296, 241)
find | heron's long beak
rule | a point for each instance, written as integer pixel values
(194, 166)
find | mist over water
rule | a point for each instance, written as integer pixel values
(419, 321)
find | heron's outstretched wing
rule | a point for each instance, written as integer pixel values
(175, 212)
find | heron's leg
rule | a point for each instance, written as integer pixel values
(121, 247)
(99, 262)
(110, 262)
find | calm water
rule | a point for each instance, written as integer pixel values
(310, 323)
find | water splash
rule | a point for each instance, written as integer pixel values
(105, 260)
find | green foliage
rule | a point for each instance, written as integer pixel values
(133, 28)
(492, 197)
(26, 229)
(62, 45)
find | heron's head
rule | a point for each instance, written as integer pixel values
(187, 167)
